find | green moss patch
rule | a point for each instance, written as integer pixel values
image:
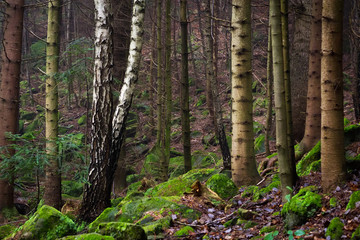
(46, 223)
(356, 234)
(301, 206)
(5, 230)
(184, 231)
(354, 198)
(312, 156)
(222, 185)
(121, 230)
(335, 229)
(88, 236)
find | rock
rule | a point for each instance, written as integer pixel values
(335, 229)
(46, 223)
(122, 231)
(222, 185)
(301, 206)
(87, 236)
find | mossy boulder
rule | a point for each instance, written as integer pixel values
(222, 185)
(5, 230)
(312, 156)
(133, 211)
(154, 227)
(184, 231)
(178, 186)
(121, 231)
(335, 229)
(301, 206)
(46, 223)
(87, 236)
(354, 198)
(356, 234)
(72, 188)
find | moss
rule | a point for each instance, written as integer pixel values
(184, 231)
(333, 202)
(267, 229)
(356, 234)
(251, 191)
(87, 236)
(116, 201)
(156, 227)
(108, 215)
(176, 166)
(335, 229)
(301, 206)
(5, 230)
(204, 159)
(181, 184)
(72, 188)
(222, 185)
(313, 167)
(121, 230)
(247, 224)
(46, 223)
(354, 198)
(312, 156)
(82, 120)
(274, 184)
(231, 222)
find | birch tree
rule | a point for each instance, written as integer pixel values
(108, 132)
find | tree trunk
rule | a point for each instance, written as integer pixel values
(97, 192)
(159, 82)
(287, 85)
(185, 112)
(168, 91)
(333, 169)
(210, 76)
(52, 194)
(299, 63)
(269, 94)
(103, 162)
(9, 88)
(313, 112)
(243, 163)
(286, 167)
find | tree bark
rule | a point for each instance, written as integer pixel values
(210, 76)
(243, 162)
(333, 169)
(269, 94)
(286, 167)
(111, 135)
(313, 112)
(185, 110)
(9, 88)
(52, 194)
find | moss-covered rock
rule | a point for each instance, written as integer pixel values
(356, 234)
(333, 202)
(181, 184)
(222, 185)
(335, 229)
(87, 236)
(246, 223)
(251, 191)
(155, 227)
(184, 231)
(312, 156)
(5, 230)
(46, 223)
(176, 166)
(121, 230)
(354, 198)
(267, 229)
(301, 206)
(133, 211)
(82, 120)
(72, 188)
